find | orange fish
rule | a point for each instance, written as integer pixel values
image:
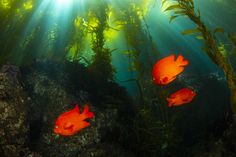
(181, 97)
(72, 121)
(167, 69)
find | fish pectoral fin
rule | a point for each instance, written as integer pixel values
(165, 79)
(70, 128)
(68, 125)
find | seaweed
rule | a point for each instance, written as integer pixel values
(101, 61)
(154, 137)
(77, 43)
(140, 47)
(11, 27)
(211, 47)
(152, 127)
(232, 52)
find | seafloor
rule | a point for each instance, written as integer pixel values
(31, 97)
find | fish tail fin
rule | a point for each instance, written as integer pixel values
(170, 102)
(181, 61)
(87, 113)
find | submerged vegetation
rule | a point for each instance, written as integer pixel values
(211, 45)
(77, 49)
(101, 62)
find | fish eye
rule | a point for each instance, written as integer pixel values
(56, 126)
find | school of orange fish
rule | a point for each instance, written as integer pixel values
(164, 72)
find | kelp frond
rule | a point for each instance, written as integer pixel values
(211, 47)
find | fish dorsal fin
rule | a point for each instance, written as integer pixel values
(76, 108)
(169, 59)
(172, 57)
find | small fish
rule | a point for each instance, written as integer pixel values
(72, 121)
(181, 97)
(167, 69)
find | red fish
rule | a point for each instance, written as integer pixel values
(181, 97)
(72, 121)
(167, 69)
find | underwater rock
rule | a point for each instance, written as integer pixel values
(79, 143)
(52, 96)
(13, 111)
(52, 100)
(5, 86)
(11, 71)
(33, 154)
(224, 146)
(106, 150)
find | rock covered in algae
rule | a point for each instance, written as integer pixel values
(13, 111)
(51, 98)
(105, 150)
(222, 146)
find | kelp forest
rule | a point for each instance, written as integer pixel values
(117, 78)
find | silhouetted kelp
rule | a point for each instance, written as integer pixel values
(141, 48)
(149, 131)
(211, 47)
(101, 62)
(153, 128)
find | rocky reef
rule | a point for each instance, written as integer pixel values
(32, 97)
(219, 147)
(13, 115)
(30, 104)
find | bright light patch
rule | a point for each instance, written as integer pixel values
(166, 5)
(64, 2)
(28, 5)
(6, 4)
(63, 6)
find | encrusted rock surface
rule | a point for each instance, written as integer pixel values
(13, 112)
(50, 100)
(29, 108)
(105, 150)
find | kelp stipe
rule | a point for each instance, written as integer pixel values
(187, 8)
(101, 61)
